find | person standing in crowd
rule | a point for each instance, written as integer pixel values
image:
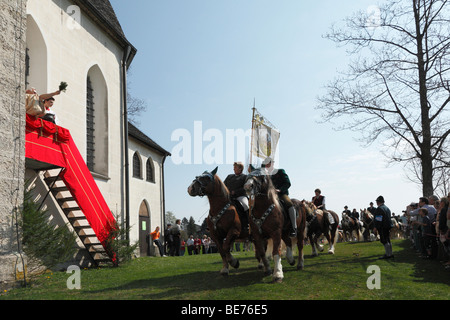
(155, 237)
(190, 244)
(168, 238)
(206, 241)
(176, 234)
(442, 229)
(382, 224)
(198, 245)
(417, 227)
(427, 233)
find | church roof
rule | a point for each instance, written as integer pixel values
(102, 12)
(139, 135)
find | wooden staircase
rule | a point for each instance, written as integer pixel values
(76, 218)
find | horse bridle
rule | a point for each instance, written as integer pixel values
(257, 185)
(202, 184)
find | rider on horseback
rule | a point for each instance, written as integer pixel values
(319, 202)
(282, 184)
(235, 184)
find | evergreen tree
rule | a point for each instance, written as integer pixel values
(191, 228)
(44, 244)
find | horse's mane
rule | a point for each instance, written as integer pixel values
(272, 194)
(220, 188)
(310, 206)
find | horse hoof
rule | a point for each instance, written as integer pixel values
(299, 267)
(331, 251)
(236, 264)
(224, 272)
(278, 280)
(268, 273)
(291, 263)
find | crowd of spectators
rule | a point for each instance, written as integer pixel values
(428, 228)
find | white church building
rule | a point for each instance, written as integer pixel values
(82, 43)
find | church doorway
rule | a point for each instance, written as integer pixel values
(144, 230)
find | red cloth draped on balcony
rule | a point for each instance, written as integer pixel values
(53, 144)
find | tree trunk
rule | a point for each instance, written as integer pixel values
(425, 147)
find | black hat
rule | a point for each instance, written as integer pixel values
(380, 199)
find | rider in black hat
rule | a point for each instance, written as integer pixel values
(382, 224)
(282, 184)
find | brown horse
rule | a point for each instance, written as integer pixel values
(349, 225)
(319, 224)
(223, 220)
(368, 222)
(267, 222)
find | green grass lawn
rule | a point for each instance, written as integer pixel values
(342, 276)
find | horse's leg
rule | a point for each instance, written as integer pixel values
(260, 251)
(225, 271)
(313, 246)
(231, 236)
(300, 243)
(289, 254)
(319, 246)
(358, 232)
(278, 269)
(330, 242)
(333, 238)
(258, 255)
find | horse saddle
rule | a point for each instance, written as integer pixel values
(326, 215)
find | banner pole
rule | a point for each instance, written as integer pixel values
(253, 127)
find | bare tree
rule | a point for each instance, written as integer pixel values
(135, 106)
(397, 89)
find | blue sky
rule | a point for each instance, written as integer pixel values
(204, 62)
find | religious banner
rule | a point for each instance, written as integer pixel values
(265, 137)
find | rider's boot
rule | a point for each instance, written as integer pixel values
(293, 218)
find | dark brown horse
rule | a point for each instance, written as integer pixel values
(267, 222)
(368, 222)
(349, 225)
(319, 224)
(223, 220)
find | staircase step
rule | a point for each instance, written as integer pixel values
(59, 189)
(52, 179)
(79, 223)
(96, 248)
(66, 199)
(86, 232)
(69, 210)
(76, 217)
(98, 257)
(91, 241)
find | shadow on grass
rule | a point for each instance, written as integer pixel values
(349, 268)
(430, 271)
(187, 285)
